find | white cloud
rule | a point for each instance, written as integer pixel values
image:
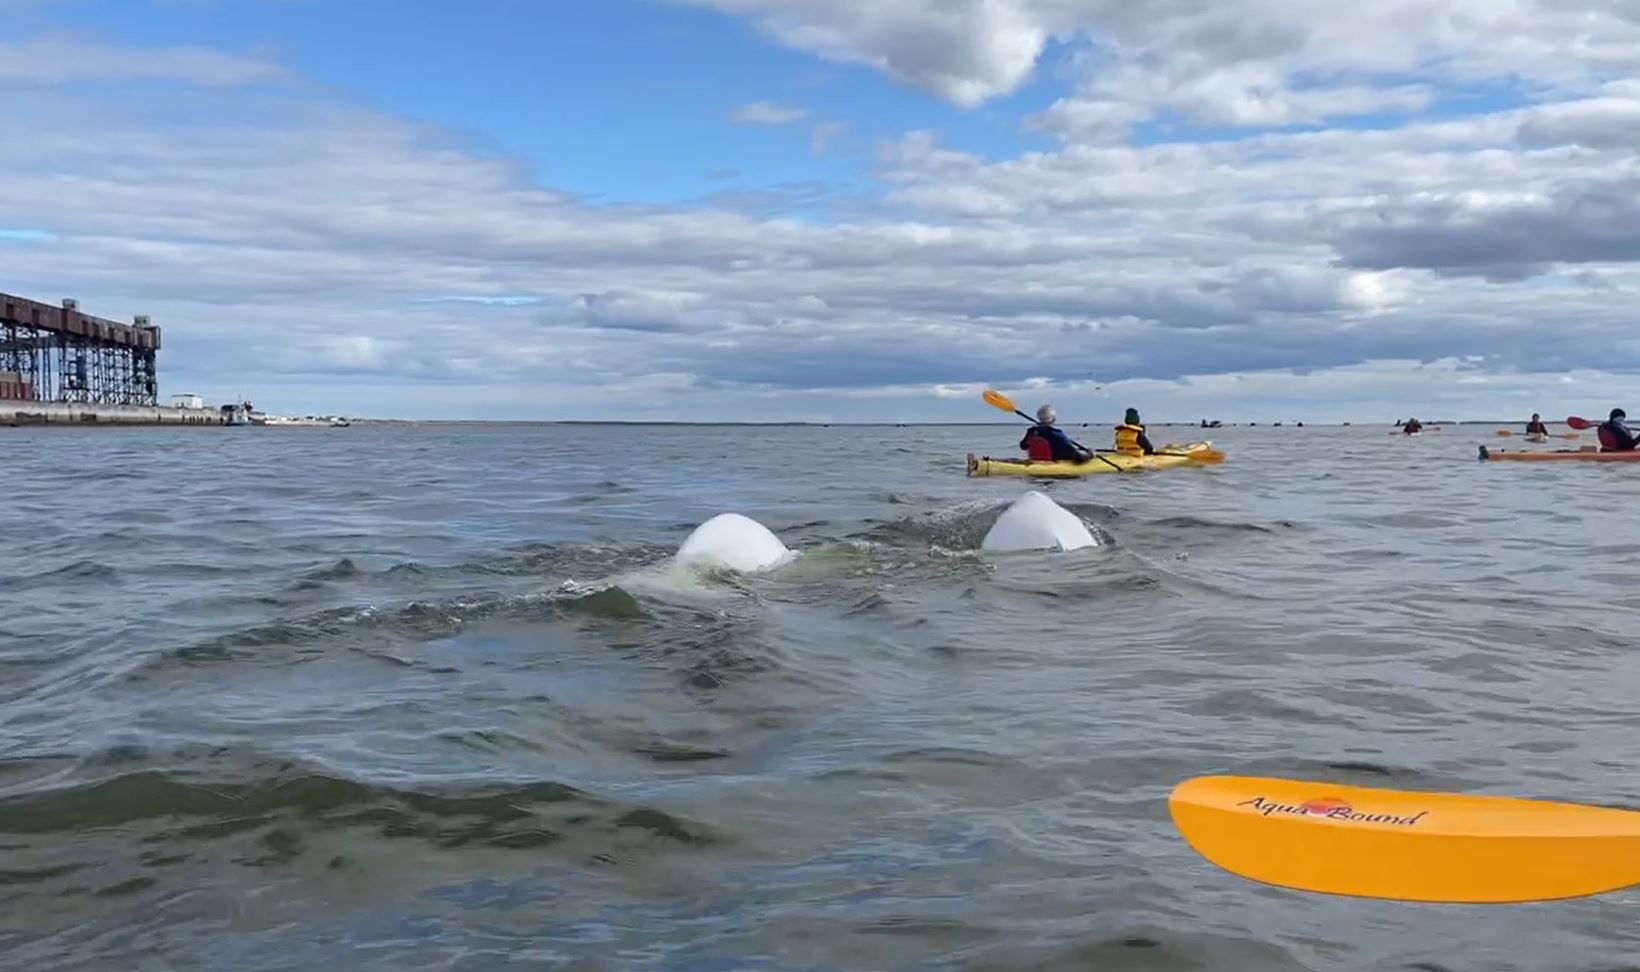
(967, 51)
(279, 232)
(48, 62)
(768, 113)
(1227, 62)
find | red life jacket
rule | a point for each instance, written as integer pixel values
(1038, 448)
(1608, 442)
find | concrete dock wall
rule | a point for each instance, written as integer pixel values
(65, 413)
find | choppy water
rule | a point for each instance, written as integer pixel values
(426, 698)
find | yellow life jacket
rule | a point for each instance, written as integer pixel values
(1127, 439)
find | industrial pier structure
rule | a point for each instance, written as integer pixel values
(58, 365)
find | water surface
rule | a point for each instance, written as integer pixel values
(395, 698)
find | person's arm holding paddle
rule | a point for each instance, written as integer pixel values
(1064, 449)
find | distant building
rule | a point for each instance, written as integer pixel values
(187, 401)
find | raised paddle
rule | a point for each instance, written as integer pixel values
(1579, 422)
(998, 400)
(1405, 845)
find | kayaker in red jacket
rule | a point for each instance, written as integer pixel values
(1614, 434)
(1536, 426)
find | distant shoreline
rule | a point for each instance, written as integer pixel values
(890, 425)
(658, 423)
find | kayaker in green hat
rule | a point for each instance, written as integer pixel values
(1130, 436)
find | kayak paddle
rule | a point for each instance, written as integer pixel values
(1404, 845)
(1573, 421)
(998, 400)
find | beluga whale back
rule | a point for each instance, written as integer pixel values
(733, 541)
(1035, 522)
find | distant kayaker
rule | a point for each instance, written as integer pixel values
(1614, 434)
(1130, 436)
(1536, 426)
(1047, 441)
(1413, 425)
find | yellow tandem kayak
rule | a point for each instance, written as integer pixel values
(1166, 457)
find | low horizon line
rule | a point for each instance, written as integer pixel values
(928, 423)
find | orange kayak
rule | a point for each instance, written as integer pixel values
(1586, 454)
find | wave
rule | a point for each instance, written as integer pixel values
(191, 805)
(1198, 525)
(146, 827)
(422, 620)
(78, 572)
(962, 527)
(702, 644)
(550, 559)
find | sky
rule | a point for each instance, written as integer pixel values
(840, 210)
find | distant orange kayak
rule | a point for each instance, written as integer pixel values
(1590, 454)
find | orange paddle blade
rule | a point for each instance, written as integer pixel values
(999, 400)
(1406, 846)
(1205, 456)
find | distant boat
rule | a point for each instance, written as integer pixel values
(243, 413)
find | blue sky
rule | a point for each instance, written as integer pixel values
(1071, 194)
(619, 100)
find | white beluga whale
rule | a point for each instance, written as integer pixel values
(733, 541)
(1035, 522)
